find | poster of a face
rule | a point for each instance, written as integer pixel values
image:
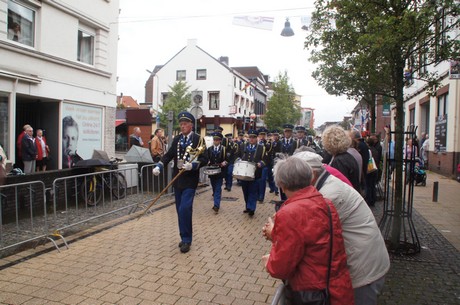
(81, 132)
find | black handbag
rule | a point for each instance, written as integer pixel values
(314, 297)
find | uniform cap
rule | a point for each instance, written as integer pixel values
(300, 128)
(253, 132)
(288, 127)
(217, 136)
(186, 116)
(229, 135)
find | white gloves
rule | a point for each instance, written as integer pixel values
(156, 171)
(224, 163)
(187, 166)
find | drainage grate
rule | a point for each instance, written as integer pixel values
(228, 198)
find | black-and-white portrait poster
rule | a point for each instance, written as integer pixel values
(81, 132)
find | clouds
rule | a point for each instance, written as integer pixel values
(152, 32)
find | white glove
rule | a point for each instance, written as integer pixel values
(224, 163)
(187, 166)
(156, 171)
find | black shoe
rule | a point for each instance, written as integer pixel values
(180, 244)
(251, 213)
(271, 191)
(277, 193)
(216, 209)
(246, 211)
(260, 201)
(185, 247)
(229, 190)
(225, 188)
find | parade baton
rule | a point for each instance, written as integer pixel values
(199, 151)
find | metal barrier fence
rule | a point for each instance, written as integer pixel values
(25, 225)
(72, 203)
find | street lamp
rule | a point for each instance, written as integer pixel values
(287, 31)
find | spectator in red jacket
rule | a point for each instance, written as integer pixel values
(42, 151)
(300, 237)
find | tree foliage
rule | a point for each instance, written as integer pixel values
(179, 99)
(281, 108)
(364, 47)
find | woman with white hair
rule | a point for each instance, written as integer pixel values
(336, 142)
(367, 255)
(304, 252)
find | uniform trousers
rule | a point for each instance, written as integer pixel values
(216, 183)
(229, 177)
(250, 194)
(184, 207)
(262, 184)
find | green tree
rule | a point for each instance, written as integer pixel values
(281, 108)
(179, 99)
(364, 46)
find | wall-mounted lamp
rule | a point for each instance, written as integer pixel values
(287, 31)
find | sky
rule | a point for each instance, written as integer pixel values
(152, 31)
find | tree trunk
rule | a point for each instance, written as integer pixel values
(398, 155)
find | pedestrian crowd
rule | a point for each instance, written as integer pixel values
(326, 245)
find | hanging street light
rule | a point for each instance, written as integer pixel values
(287, 31)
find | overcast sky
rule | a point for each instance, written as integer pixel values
(152, 32)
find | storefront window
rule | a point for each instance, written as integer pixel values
(21, 23)
(4, 121)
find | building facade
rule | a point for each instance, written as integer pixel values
(58, 63)
(221, 95)
(438, 115)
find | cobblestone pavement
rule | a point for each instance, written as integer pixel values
(138, 262)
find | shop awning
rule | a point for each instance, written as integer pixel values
(119, 122)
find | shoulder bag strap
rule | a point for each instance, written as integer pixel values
(330, 252)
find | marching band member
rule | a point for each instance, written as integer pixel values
(217, 156)
(262, 182)
(252, 152)
(183, 148)
(301, 136)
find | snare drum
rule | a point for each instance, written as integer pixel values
(244, 170)
(211, 170)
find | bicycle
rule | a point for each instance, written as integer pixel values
(93, 188)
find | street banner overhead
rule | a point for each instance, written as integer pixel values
(257, 22)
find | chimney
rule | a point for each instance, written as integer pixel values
(224, 60)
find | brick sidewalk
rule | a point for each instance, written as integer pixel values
(138, 262)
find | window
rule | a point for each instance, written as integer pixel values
(85, 47)
(412, 116)
(180, 75)
(213, 100)
(201, 74)
(4, 119)
(442, 104)
(440, 32)
(21, 23)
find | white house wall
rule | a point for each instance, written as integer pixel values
(218, 78)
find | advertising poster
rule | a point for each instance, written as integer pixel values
(81, 132)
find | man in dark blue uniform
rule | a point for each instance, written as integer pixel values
(275, 148)
(188, 151)
(217, 156)
(231, 149)
(301, 136)
(288, 144)
(262, 182)
(252, 152)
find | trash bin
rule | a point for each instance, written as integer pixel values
(130, 172)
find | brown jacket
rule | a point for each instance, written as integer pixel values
(157, 147)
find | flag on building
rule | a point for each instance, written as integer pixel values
(257, 22)
(246, 86)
